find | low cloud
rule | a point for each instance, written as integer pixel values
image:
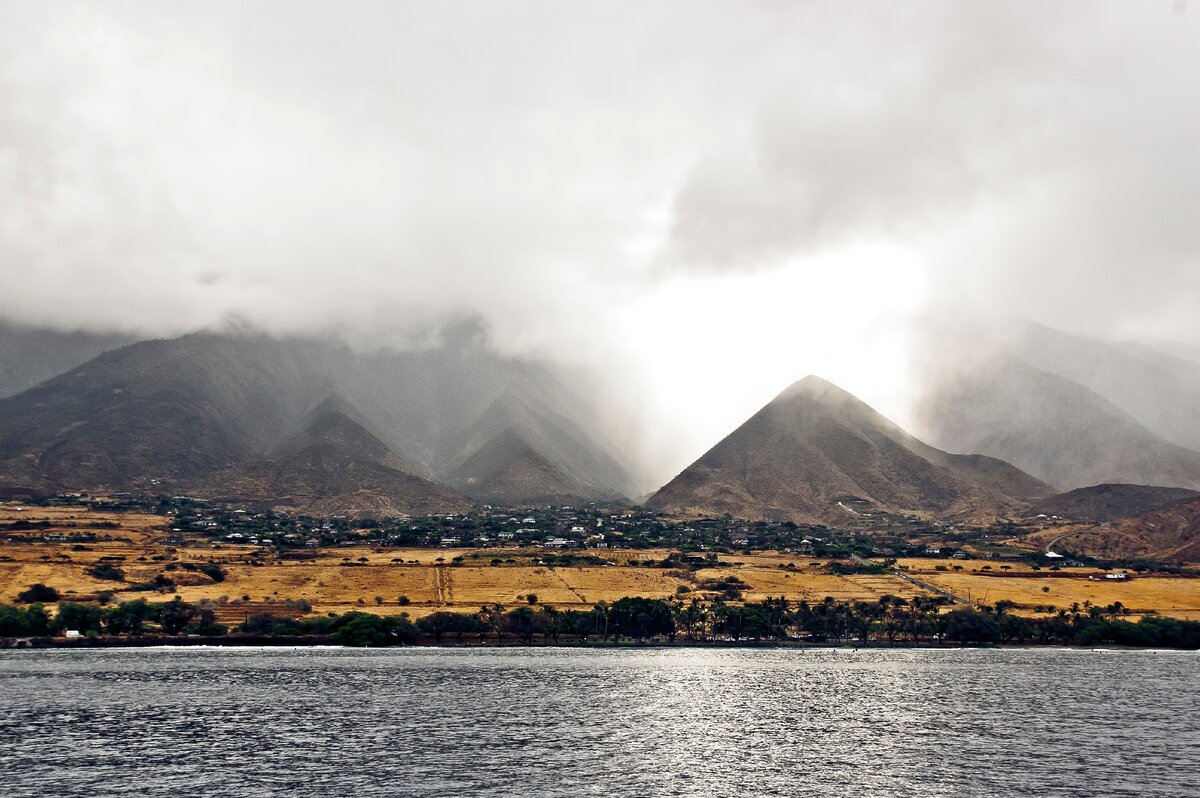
(569, 174)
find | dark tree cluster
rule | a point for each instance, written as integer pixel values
(889, 620)
(131, 618)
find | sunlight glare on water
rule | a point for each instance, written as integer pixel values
(578, 722)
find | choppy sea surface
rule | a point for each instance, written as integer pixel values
(582, 722)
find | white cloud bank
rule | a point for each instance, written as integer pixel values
(705, 200)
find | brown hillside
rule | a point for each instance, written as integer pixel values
(1106, 502)
(816, 450)
(1168, 534)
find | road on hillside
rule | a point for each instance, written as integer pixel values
(1050, 546)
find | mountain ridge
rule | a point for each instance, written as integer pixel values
(1051, 427)
(1110, 501)
(333, 464)
(164, 413)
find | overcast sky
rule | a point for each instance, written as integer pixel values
(706, 200)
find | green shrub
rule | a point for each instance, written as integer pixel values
(37, 593)
(361, 629)
(19, 621)
(106, 570)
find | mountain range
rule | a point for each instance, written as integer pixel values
(316, 426)
(186, 413)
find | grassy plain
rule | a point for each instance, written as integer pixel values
(373, 580)
(1175, 596)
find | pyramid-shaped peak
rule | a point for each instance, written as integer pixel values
(334, 405)
(335, 424)
(815, 445)
(814, 387)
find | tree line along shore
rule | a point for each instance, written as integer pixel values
(891, 620)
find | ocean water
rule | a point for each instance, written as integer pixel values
(592, 722)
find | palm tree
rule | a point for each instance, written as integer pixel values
(493, 616)
(602, 619)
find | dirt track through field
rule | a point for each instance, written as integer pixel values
(441, 586)
(582, 598)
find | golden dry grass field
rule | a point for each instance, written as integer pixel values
(1178, 597)
(812, 583)
(373, 580)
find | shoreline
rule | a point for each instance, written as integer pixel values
(251, 641)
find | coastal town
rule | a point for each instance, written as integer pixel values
(245, 570)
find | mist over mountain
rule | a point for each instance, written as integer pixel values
(1177, 349)
(818, 454)
(172, 413)
(654, 215)
(698, 203)
(1071, 411)
(31, 354)
(1159, 390)
(520, 448)
(454, 421)
(332, 465)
